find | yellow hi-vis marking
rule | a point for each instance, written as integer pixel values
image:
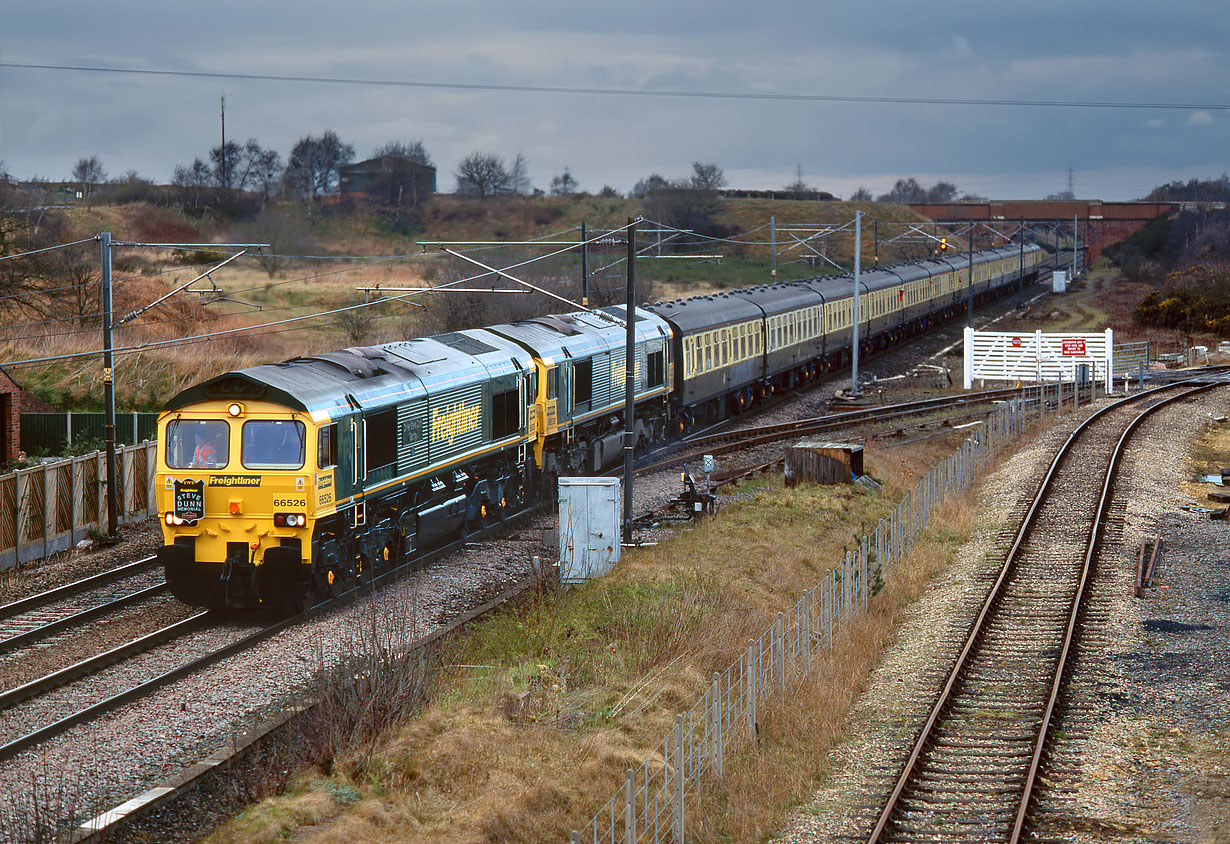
(457, 420)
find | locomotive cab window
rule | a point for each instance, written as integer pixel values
(197, 444)
(326, 447)
(275, 444)
(553, 383)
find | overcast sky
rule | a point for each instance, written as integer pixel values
(1124, 51)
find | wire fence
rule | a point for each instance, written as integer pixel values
(50, 507)
(651, 805)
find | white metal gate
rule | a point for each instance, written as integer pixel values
(1036, 357)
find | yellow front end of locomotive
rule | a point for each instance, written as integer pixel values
(238, 494)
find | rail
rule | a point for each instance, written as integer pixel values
(976, 634)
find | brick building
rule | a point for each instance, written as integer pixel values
(13, 402)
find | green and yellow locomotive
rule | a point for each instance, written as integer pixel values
(290, 482)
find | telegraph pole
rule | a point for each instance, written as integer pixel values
(773, 248)
(629, 381)
(104, 240)
(225, 181)
(584, 265)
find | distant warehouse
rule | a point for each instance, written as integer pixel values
(391, 179)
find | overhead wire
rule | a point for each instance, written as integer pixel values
(256, 329)
(30, 252)
(625, 92)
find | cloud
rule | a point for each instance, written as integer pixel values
(1156, 123)
(1199, 118)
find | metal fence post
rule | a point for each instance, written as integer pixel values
(827, 610)
(717, 724)
(779, 636)
(629, 807)
(805, 630)
(749, 690)
(678, 784)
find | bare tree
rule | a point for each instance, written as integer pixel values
(942, 192)
(483, 174)
(648, 186)
(564, 184)
(518, 176)
(89, 172)
(412, 151)
(905, 192)
(313, 166)
(192, 185)
(707, 177)
(247, 167)
(861, 195)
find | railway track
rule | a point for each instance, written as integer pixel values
(971, 773)
(733, 440)
(33, 619)
(60, 700)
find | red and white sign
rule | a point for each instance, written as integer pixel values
(1016, 342)
(1072, 346)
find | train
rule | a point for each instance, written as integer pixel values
(283, 484)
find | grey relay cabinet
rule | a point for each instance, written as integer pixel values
(588, 527)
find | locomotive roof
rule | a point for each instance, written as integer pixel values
(581, 333)
(373, 375)
(705, 312)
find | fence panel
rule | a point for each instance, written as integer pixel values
(47, 508)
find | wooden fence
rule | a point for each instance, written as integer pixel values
(51, 507)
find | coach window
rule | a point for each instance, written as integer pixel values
(274, 444)
(326, 447)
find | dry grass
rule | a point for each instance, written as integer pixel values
(547, 704)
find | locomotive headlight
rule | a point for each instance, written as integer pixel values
(294, 520)
(235, 409)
